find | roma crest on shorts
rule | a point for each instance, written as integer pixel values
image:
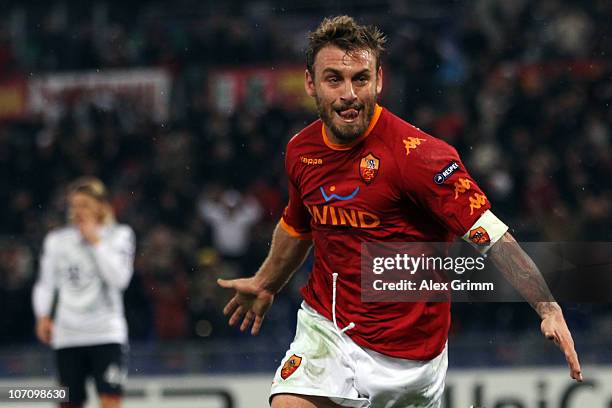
(290, 366)
(368, 168)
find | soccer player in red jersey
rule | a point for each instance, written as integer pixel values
(361, 174)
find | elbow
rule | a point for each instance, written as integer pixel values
(120, 279)
(124, 281)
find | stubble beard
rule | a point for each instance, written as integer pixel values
(350, 131)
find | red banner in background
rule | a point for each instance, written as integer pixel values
(12, 98)
(259, 87)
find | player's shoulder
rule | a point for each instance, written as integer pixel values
(60, 235)
(413, 144)
(305, 145)
(120, 230)
(305, 137)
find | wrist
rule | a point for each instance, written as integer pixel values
(547, 309)
(264, 284)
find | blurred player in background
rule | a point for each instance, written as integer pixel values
(361, 174)
(88, 263)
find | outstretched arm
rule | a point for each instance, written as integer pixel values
(520, 270)
(255, 295)
(43, 292)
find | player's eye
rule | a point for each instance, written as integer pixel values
(362, 80)
(333, 80)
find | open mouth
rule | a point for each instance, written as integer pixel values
(348, 115)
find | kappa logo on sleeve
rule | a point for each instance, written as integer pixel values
(461, 186)
(411, 143)
(290, 366)
(445, 173)
(479, 236)
(477, 201)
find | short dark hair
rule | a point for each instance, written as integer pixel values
(344, 33)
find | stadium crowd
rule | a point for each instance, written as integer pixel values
(522, 89)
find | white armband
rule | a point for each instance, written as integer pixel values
(486, 231)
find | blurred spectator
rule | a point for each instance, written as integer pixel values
(232, 218)
(15, 281)
(164, 273)
(207, 299)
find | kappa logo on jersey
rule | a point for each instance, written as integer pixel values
(412, 143)
(290, 366)
(368, 168)
(477, 201)
(461, 186)
(310, 161)
(330, 197)
(448, 171)
(480, 236)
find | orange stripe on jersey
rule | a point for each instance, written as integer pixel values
(335, 146)
(291, 231)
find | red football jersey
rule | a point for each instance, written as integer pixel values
(386, 186)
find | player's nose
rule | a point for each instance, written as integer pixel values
(348, 93)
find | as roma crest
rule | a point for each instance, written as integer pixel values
(290, 366)
(480, 236)
(368, 168)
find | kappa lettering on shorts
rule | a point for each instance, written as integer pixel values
(323, 362)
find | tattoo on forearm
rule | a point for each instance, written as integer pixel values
(520, 270)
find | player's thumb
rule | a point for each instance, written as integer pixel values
(224, 283)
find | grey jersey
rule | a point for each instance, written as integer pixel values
(90, 280)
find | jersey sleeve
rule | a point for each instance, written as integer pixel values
(486, 231)
(436, 179)
(296, 218)
(115, 257)
(44, 288)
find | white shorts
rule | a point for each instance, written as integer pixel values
(322, 361)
